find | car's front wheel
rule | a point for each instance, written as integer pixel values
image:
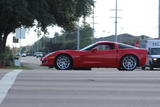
(129, 62)
(151, 68)
(63, 62)
(120, 69)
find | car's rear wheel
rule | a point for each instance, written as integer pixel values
(63, 62)
(129, 62)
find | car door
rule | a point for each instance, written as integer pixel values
(101, 55)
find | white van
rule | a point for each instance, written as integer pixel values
(153, 47)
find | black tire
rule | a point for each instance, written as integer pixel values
(120, 69)
(50, 66)
(82, 68)
(151, 68)
(129, 63)
(63, 62)
(143, 68)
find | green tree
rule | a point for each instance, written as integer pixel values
(67, 40)
(86, 35)
(17, 13)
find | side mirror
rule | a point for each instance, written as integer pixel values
(94, 50)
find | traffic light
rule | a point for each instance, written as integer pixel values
(15, 40)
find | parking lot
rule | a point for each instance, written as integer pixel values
(100, 87)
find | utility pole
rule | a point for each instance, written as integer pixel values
(64, 40)
(116, 20)
(159, 20)
(78, 37)
(116, 7)
(93, 25)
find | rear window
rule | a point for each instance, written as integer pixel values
(125, 46)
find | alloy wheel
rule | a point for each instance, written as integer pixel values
(129, 62)
(63, 62)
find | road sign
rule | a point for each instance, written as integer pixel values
(20, 33)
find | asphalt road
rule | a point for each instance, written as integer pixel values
(43, 87)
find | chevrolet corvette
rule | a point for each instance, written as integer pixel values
(104, 54)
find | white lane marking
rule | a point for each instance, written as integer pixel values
(6, 83)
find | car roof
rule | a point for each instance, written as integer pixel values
(106, 42)
(118, 43)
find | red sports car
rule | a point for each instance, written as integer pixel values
(103, 54)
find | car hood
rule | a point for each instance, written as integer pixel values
(62, 51)
(68, 51)
(155, 56)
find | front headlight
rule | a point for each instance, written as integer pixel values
(154, 59)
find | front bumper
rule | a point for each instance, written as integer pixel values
(47, 62)
(155, 63)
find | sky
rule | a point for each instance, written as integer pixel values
(137, 17)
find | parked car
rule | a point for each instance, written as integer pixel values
(38, 54)
(104, 54)
(24, 54)
(18, 54)
(29, 54)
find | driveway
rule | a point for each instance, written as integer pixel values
(32, 62)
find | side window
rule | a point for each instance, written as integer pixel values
(105, 46)
(100, 47)
(124, 46)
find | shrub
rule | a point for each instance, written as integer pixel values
(6, 59)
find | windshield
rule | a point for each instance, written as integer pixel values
(88, 47)
(155, 51)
